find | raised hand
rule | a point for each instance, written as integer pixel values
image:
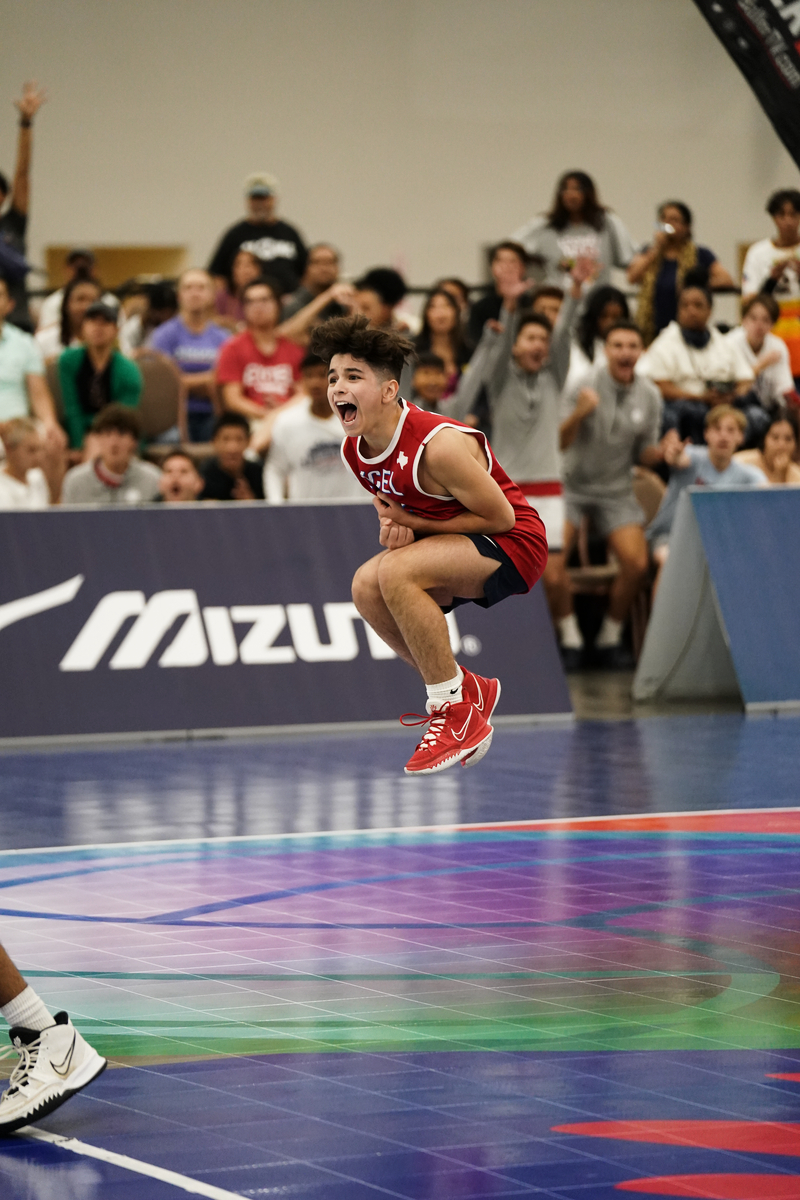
(32, 99)
(588, 401)
(673, 448)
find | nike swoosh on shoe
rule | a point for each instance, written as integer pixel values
(63, 1069)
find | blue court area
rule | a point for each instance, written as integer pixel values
(570, 972)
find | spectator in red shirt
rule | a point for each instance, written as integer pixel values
(258, 369)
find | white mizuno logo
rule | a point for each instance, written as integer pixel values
(29, 606)
(202, 633)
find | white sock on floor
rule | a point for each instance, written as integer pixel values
(27, 1011)
(610, 634)
(570, 633)
(447, 692)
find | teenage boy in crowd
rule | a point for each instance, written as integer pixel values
(258, 369)
(54, 1060)
(712, 465)
(453, 526)
(521, 366)
(22, 480)
(611, 423)
(229, 475)
(305, 459)
(180, 482)
(115, 475)
(428, 381)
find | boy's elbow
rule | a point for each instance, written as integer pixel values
(506, 520)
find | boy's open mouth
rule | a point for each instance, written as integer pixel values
(347, 412)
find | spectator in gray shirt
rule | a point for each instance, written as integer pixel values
(611, 423)
(115, 475)
(522, 364)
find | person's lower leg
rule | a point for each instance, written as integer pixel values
(423, 628)
(372, 606)
(19, 1004)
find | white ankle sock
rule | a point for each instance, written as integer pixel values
(447, 692)
(570, 633)
(610, 634)
(27, 1011)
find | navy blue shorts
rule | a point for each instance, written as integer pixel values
(506, 581)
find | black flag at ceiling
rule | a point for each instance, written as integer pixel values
(763, 39)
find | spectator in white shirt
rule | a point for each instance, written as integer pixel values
(77, 297)
(305, 460)
(80, 264)
(767, 354)
(773, 265)
(695, 366)
(22, 480)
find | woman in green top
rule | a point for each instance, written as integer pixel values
(96, 374)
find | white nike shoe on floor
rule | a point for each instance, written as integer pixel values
(53, 1065)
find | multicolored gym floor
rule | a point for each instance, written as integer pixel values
(572, 972)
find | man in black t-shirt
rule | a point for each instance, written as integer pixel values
(278, 244)
(229, 475)
(14, 221)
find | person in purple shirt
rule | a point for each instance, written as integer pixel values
(192, 340)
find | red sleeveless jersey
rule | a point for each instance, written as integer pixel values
(396, 473)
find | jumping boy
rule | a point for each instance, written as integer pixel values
(453, 526)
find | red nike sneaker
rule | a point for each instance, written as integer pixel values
(484, 694)
(455, 731)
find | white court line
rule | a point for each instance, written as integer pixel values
(537, 823)
(132, 1164)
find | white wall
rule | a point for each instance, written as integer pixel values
(405, 131)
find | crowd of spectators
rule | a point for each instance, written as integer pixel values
(588, 361)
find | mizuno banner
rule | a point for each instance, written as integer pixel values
(763, 39)
(171, 618)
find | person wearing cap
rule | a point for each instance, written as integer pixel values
(278, 244)
(96, 374)
(80, 264)
(14, 220)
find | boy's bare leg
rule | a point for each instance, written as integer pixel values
(415, 580)
(11, 982)
(369, 601)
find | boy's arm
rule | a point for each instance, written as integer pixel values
(561, 341)
(449, 462)
(487, 367)
(675, 452)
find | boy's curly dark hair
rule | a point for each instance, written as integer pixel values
(385, 350)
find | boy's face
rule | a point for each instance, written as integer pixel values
(548, 306)
(371, 306)
(230, 443)
(787, 218)
(623, 351)
(315, 382)
(531, 348)
(26, 454)
(356, 394)
(117, 448)
(724, 438)
(430, 383)
(180, 480)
